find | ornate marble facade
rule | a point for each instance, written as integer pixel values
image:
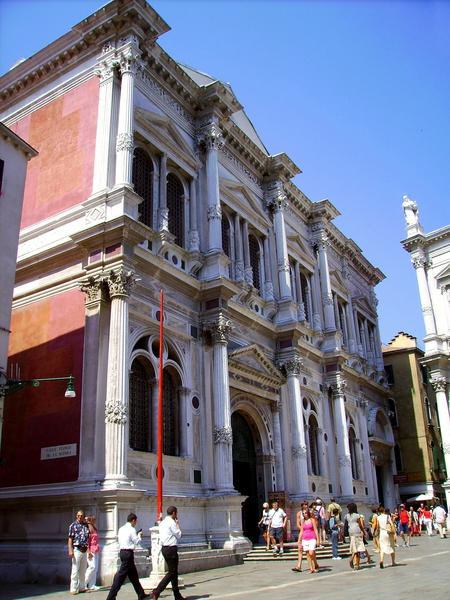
(271, 330)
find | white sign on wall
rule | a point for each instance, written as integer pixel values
(58, 451)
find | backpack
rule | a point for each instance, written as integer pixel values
(332, 524)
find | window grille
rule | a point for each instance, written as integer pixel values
(175, 204)
(226, 246)
(313, 432)
(140, 407)
(254, 260)
(143, 184)
(171, 415)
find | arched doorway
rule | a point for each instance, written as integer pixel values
(246, 444)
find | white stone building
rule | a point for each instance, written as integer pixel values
(14, 156)
(150, 176)
(430, 256)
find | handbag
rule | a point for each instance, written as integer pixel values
(390, 527)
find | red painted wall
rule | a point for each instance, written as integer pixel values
(63, 132)
(46, 341)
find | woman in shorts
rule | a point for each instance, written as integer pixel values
(264, 524)
(356, 532)
(309, 535)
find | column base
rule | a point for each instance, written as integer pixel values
(287, 312)
(216, 265)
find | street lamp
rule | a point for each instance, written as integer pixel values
(10, 386)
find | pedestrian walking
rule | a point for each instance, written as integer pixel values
(374, 529)
(335, 525)
(404, 521)
(321, 522)
(299, 519)
(129, 538)
(77, 545)
(169, 535)
(439, 517)
(387, 531)
(264, 524)
(414, 520)
(277, 523)
(309, 534)
(356, 533)
(427, 520)
(92, 555)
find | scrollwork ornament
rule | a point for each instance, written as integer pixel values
(222, 435)
(439, 384)
(125, 141)
(116, 412)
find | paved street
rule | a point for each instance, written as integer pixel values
(423, 573)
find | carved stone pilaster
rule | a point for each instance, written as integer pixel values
(120, 282)
(298, 452)
(439, 384)
(222, 435)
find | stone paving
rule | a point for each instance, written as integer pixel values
(423, 572)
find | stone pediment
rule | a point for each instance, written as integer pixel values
(364, 305)
(241, 194)
(296, 240)
(252, 360)
(163, 130)
(337, 279)
(445, 273)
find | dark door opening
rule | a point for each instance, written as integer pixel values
(379, 473)
(244, 474)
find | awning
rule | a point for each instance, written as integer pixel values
(421, 498)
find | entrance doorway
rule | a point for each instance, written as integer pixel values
(246, 441)
(380, 482)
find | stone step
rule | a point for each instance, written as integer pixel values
(259, 553)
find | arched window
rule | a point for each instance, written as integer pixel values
(254, 260)
(305, 295)
(175, 205)
(353, 453)
(313, 435)
(140, 406)
(171, 403)
(143, 184)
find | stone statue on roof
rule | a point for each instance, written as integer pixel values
(410, 210)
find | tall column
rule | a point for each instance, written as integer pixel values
(369, 352)
(277, 445)
(268, 285)
(300, 484)
(367, 462)
(194, 241)
(106, 125)
(300, 300)
(276, 199)
(440, 388)
(211, 138)
(239, 249)
(325, 282)
(343, 446)
(222, 433)
(419, 262)
(92, 430)
(125, 132)
(313, 301)
(163, 219)
(116, 409)
(350, 326)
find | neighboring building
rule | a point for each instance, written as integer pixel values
(430, 255)
(413, 415)
(150, 175)
(14, 156)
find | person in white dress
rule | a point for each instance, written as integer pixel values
(386, 532)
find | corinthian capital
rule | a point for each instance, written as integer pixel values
(210, 136)
(120, 282)
(125, 141)
(93, 288)
(338, 388)
(275, 196)
(116, 412)
(292, 366)
(222, 435)
(419, 262)
(439, 384)
(105, 70)
(219, 329)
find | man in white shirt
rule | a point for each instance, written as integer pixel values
(128, 539)
(439, 516)
(169, 534)
(278, 519)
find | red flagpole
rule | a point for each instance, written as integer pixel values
(159, 497)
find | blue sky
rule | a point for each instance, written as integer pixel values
(356, 92)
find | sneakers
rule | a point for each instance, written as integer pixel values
(281, 552)
(94, 588)
(336, 558)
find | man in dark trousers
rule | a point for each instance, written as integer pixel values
(128, 538)
(169, 534)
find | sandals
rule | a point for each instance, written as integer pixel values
(296, 569)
